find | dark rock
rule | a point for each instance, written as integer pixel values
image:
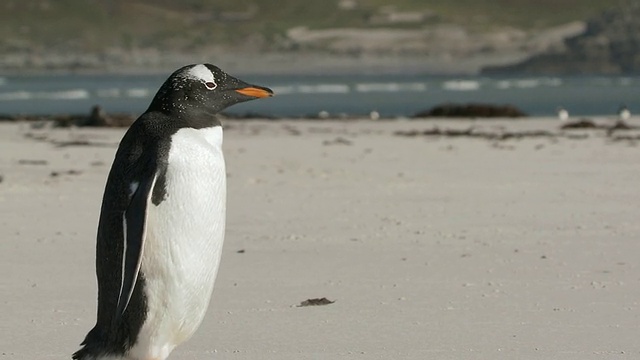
(7, 117)
(316, 302)
(471, 110)
(579, 124)
(97, 117)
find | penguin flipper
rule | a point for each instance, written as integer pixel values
(134, 232)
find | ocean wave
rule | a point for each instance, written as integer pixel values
(390, 87)
(283, 90)
(518, 84)
(109, 93)
(75, 94)
(138, 93)
(625, 81)
(323, 89)
(311, 89)
(602, 81)
(552, 81)
(527, 83)
(461, 85)
(15, 95)
(346, 88)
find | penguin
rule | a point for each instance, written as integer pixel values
(623, 113)
(162, 219)
(563, 114)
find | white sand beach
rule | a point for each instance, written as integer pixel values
(431, 247)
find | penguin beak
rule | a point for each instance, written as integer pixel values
(255, 91)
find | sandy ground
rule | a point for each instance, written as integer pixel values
(431, 247)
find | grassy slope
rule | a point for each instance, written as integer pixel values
(95, 24)
(524, 14)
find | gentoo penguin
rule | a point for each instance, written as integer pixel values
(563, 114)
(162, 220)
(623, 113)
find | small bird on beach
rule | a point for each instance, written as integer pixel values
(623, 113)
(563, 114)
(162, 220)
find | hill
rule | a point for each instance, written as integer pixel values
(97, 34)
(609, 45)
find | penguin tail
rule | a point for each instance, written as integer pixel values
(87, 352)
(92, 347)
(83, 354)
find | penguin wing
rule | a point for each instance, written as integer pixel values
(134, 232)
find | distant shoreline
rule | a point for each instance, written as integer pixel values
(288, 63)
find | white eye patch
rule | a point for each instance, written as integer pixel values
(203, 74)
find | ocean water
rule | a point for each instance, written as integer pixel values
(390, 95)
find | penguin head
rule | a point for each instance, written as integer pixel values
(203, 88)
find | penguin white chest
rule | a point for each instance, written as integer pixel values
(185, 232)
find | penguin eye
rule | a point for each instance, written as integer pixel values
(210, 85)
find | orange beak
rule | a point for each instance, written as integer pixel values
(254, 91)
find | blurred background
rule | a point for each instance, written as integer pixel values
(341, 57)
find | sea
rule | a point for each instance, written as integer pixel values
(396, 96)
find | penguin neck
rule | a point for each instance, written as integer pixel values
(198, 119)
(187, 116)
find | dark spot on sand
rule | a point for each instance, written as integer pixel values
(68, 172)
(337, 141)
(241, 251)
(291, 130)
(471, 132)
(580, 124)
(73, 143)
(471, 111)
(316, 302)
(35, 137)
(32, 162)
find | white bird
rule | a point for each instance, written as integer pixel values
(563, 114)
(623, 113)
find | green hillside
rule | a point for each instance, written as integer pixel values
(96, 24)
